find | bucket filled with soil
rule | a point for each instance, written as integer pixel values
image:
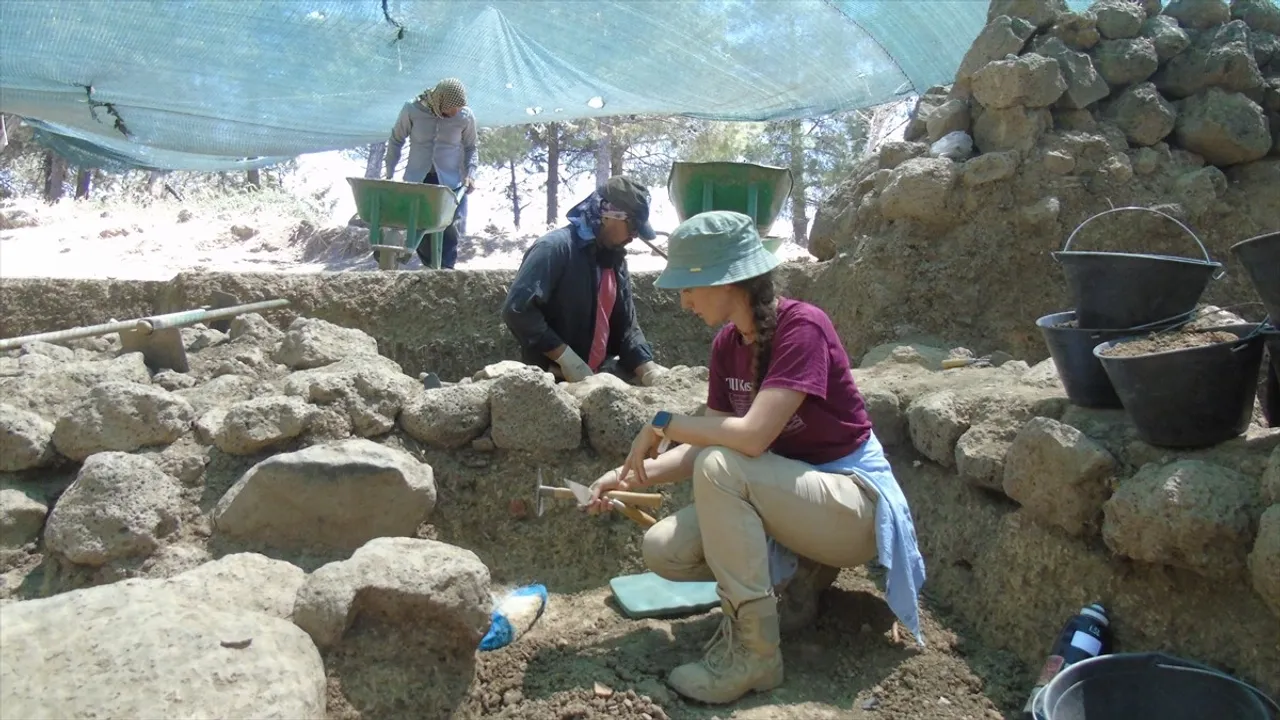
(1116, 290)
(1071, 348)
(1186, 388)
(1260, 257)
(1127, 686)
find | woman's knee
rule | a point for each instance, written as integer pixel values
(672, 551)
(720, 466)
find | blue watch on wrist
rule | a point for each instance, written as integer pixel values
(660, 422)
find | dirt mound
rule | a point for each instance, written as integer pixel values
(1054, 117)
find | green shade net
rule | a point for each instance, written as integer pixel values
(236, 84)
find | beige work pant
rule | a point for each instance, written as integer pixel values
(738, 499)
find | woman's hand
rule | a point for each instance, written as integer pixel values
(608, 482)
(644, 446)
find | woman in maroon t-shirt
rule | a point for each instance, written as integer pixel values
(769, 461)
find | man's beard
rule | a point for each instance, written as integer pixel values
(610, 257)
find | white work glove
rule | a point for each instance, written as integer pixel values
(572, 366)
(650, 373)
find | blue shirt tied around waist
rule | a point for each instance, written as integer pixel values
(895, 533)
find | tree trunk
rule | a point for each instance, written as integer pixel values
(152, 178)
(617, 155)
(373, 165)
(799, 208)
(604, 152)
(513, 191)
(55, 176)
(84, 179)
(254, 178)
(553, 173)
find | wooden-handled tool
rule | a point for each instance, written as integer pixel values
(583, 495)
(648, 500)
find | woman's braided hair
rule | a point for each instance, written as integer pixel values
(764, 314)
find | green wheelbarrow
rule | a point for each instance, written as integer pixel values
(416, 208)
(757, 191)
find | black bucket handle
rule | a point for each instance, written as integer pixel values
(1170, 218)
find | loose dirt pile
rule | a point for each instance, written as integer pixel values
(1055, 116)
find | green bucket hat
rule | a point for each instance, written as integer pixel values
(719, 247)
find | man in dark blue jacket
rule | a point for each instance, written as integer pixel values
(570, 306)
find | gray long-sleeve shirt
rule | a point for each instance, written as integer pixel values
(447, 143)
(553, 299)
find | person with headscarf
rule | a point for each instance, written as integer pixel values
(570, 305)
(441, 131)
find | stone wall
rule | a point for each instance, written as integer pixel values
(1065, 114)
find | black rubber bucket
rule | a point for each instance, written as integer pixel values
(1112, 290)
(1137, 686)
(1260, 257)
(1081, 372)
(1271, 393)
(1192, 397)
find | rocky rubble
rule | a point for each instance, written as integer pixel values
(112, 473)
(1084, 473)
(1173, 106)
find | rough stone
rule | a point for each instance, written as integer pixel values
(988, 168)
(448, 417)
(1125, 62)
(1225, 128)
(1077, 30)
(951, 116)
(1143, 114)
(1259, 15)
(1271, 479)
(887, 417)
(1059, 474)
(1198, 191)
(122, 416)
(1040, 13)
(1058, 162)
(530, 412)
(1166, 35)
(198, 337)
(1264, 560)
(251, 426)
(1221, 58)
(1030, 80)
(401, 582)
(896, 152)
(313, 343)
(120, 506)
(981, 453)
(612, 417)
(1190, 514)
(1199, 14)
(254, 327)
(223, 390)
(241, 581)
(153, 653)
(173, 380)
(26, 439)
(1119, 19)
(1002, 36)
(1011, 129)
(371, 389)
(51, 391)
(1084, 85)
(917, 127)
(337, 495)
(498, 369)
(49, 350)
(918, 190)
(936, 421)
(21, 517)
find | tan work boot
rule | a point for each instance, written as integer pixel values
(798, 596)
(742, 656)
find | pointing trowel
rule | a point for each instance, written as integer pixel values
(583, 495)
